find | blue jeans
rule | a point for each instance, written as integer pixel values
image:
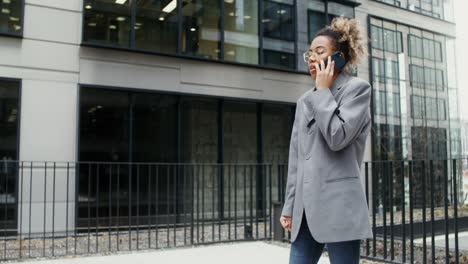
(305, 250)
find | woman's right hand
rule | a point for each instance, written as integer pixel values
(286, 222)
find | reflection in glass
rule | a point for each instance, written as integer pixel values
(278, 21)
(199, 130)
(200, 28)
(107, 22)
(156, 25)
(277, 59)
(240, 132)
(11, 16)
(241, 31)
(9, 136)
(154, 128)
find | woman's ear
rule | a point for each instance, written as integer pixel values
(344, 57)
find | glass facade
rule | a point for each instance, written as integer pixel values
(144, 127)
(414, 84)
(9, 137)
(11, 17)
(262, 32)
(442, 9)
(201, 29)
(278, 40)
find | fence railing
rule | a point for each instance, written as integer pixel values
(52, 209)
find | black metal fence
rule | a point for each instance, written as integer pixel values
(58, 209)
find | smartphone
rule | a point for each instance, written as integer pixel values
(339, 60)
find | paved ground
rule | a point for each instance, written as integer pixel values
(440, 241)
(238, 253)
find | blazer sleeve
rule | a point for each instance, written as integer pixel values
(340, 125)
(292, 169)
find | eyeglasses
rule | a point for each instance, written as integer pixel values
(306, 55)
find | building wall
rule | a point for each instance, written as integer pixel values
(52, 65)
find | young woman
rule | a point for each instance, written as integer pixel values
(325, 202)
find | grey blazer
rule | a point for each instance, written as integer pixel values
(326, 150)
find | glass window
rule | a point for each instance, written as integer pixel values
(104, 125)
(107, 22)
(276, 132)
(415, 46)
(317, 20)
(417, 107)
(240, 132)
(11, 17)
(438, 51)
(241, 31)
(392, 41)
(377, 37)
(278, 21)
(440, 79)
(199, 130)
(442, 114)
(156, 25)
(154, 128)
(428, 49)
(9, 136)
(417, 76)
(379, 103)
(200, 29)
(277, 59)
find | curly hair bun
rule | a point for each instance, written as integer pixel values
(351, 35)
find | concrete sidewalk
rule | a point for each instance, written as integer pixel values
(235, 253)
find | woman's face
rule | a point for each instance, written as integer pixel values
(320, 48)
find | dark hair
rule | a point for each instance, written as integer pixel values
(346, 36)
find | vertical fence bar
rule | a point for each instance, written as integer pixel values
(213, 196)
(45, 211)
(20, 250)
(245, 200)
(411, 198)
(251, 197)
(168, 190)
(446, 215)
(431, 175)
(374, 210)
(192, 208)
(97, 208)
(183, 202)
(130, 168)
(198, 204)
(66, 207)
(235, 202)
(403, 212)
(271, 201)
(176, 175)
(89, 207)
(53, 209)
(138, 206)
(150, 219)
(423, 176)
(455, 209)
(264, 196)
(156, 204)
(203, 203)
(229, 202)
(384, 204)
(118, 207)
(30, 205)
(110, 208)
(392, 231)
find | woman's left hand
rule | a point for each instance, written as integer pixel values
(324, 74)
